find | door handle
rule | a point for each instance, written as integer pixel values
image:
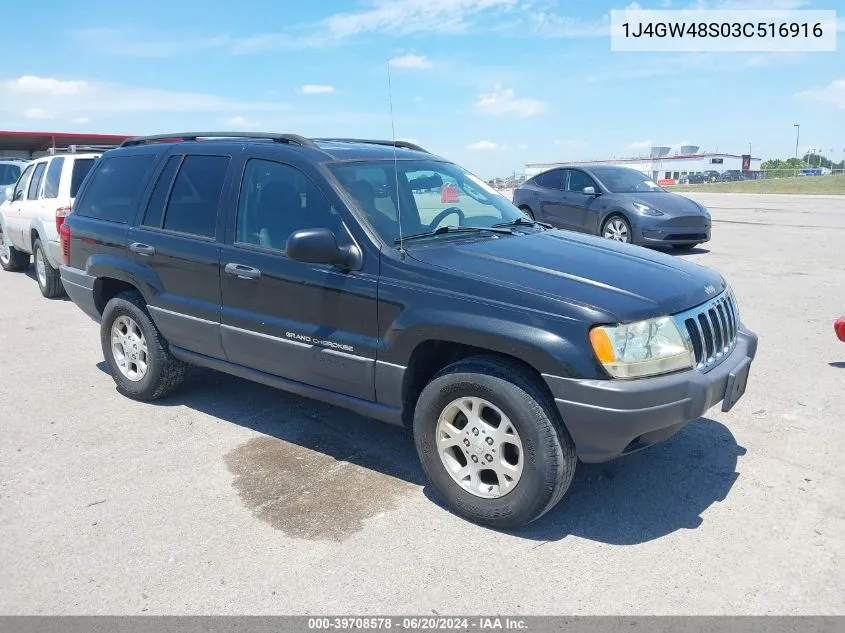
(142, 249)
(242, 272)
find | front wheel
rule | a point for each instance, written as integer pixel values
(137, 354)
(616, 228)
(492, 443)
(528, 212)
(11, 259)
(49, 279)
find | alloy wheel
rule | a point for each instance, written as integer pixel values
(41, 267)
(479, 447)
(129, 348)
(616, 229)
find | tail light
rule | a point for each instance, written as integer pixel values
(61, 213)
(64, 236)
(839, 328)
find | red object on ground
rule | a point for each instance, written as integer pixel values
(449, 194)
(667, 181)
(839, 328)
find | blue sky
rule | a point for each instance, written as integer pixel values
(492, 84)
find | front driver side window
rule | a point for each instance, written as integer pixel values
(278, 199)
(23, 181)
(578, 180)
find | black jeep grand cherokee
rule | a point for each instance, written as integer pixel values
(378, 277)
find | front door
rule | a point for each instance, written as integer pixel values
(311, 323)
(582, 209)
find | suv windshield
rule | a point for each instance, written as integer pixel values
(431, 195)
(624, 180)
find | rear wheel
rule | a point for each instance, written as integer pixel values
(492, 444)
(137, 354)
(49, 279)
(11, 259)
(616, 228)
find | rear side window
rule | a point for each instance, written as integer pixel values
(115, 187)
(54, 174)
(81, 167)
(195, 196)
(35, 183)
(551, 179)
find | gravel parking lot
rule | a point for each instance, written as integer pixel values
(230, 497)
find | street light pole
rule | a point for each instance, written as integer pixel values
(797, 127)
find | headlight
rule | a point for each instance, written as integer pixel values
(644, 348)
(645, 210)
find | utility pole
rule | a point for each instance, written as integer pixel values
(797, 127)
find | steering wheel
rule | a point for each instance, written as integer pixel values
(445, 213)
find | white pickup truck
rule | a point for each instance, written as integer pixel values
(34, 209)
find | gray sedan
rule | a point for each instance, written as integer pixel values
(615, 202)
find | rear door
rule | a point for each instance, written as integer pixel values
(176, 243)
(310, 323)
(551, 197)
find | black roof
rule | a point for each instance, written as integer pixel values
(322, 148)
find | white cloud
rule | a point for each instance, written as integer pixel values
(37, 113)
(833, 93)
(503, 101)
(646, 144)
(483, 146)
(81, 119)
(71, 98)
(411, 61)
(316, 89)
(240, 123)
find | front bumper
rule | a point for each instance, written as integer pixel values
(680, 230)
(610, 418)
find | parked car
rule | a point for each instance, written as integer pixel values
(10, 171)
(732, 175)
(511, 349)
(711, 175)
(34, 211)
(697, 179)
(617, 203)
(811, 171)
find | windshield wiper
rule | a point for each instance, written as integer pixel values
(523, 222)
(454, 229)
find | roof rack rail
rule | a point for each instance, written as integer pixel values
(193, 136)
(401, 144)
(76, 149)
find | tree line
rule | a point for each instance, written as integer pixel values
(808, 160)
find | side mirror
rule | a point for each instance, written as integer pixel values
(590, 191)
(319, 246)
(9, 192)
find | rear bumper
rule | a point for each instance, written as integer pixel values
(610, 418)
(80, 288)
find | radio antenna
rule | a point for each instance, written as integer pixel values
(395, 161)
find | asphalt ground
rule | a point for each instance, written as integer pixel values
(230, 497)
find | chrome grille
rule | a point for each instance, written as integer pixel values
(711, 330)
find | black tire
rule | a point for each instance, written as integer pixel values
(17, 260)
(51, 287)
(624, 220)
(528, 212)
(684, 248)
(548, 449)
(164, 372)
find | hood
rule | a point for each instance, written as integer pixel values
(625, 282)
(669, 203)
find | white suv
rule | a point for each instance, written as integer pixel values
(34, 209)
